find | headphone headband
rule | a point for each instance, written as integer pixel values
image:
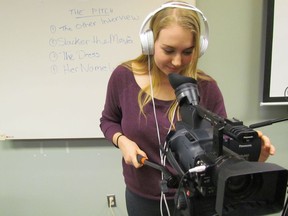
(147, 38)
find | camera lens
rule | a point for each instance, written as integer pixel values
(241, 187)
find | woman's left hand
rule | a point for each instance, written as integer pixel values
(267, 148)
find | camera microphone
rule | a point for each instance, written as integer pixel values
(266, 123)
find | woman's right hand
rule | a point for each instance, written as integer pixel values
(130, 150)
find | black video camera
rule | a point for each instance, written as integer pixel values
(232, 182)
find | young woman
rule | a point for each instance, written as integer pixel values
(141, 107)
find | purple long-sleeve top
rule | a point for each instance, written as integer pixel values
(122, 114)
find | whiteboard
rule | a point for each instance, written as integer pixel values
(275, 88)
(56, 58)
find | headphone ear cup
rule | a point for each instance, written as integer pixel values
(147, 42)
(203, 45)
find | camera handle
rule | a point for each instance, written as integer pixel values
(169, 180)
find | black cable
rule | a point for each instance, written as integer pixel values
(178, 192)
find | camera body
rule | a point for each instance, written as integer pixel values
(230, 185)
(233, 183)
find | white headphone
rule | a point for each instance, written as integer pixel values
(147, 38)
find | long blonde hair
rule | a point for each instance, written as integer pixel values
(187, 19)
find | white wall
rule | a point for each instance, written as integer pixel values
(73, 177)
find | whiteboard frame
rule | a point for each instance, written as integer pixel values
(269, 50)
